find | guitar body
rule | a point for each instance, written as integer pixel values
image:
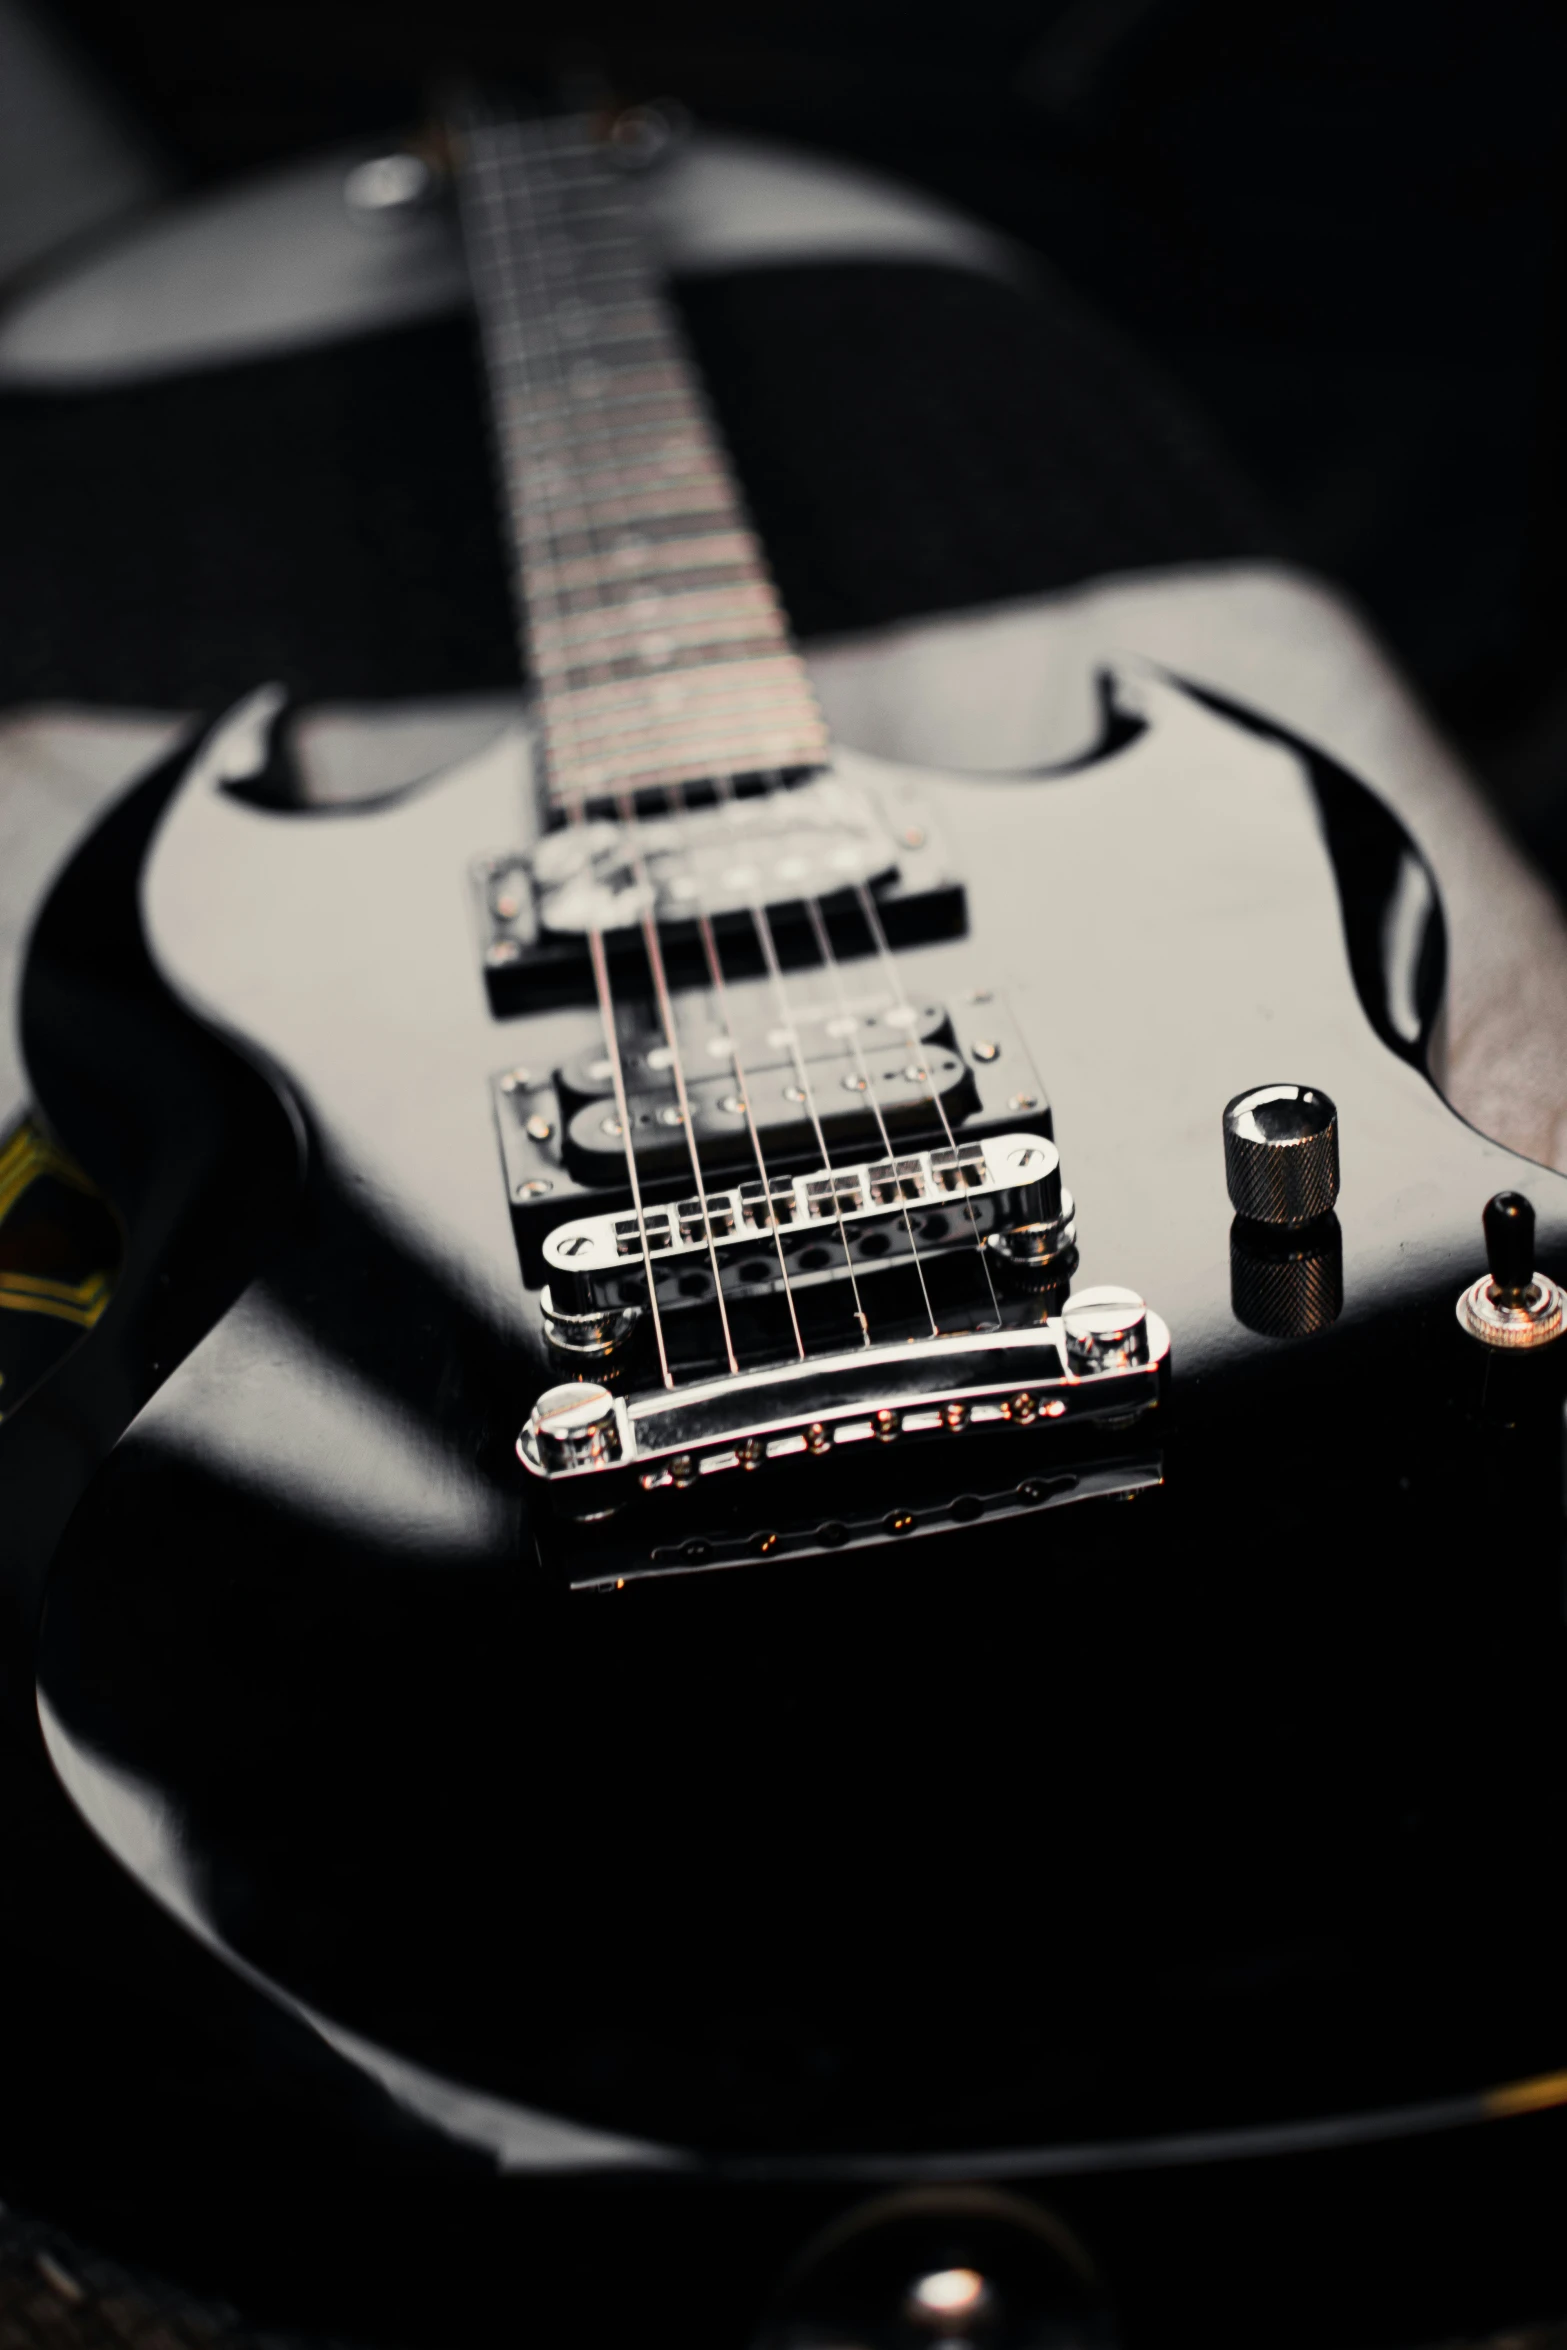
(1059, 1836)
(577, 1914)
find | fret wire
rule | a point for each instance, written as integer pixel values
(604, 438)
(603, 990)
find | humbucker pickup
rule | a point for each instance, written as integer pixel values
(826, 842)
(803, 1229)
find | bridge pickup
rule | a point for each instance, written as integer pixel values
(559, 1163)
(819, 1030)
(841, 1102)
(804, 1229)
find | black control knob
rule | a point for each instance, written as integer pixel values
(1281, 1154)
(1509, 1243)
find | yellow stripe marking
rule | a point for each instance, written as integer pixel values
(1531, 2096)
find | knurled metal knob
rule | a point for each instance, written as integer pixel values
(1281, 1154)
(1287, 1283)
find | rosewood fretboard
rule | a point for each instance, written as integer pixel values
(650, 625)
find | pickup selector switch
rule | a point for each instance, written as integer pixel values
(1513, 1304)
(1281, 1154)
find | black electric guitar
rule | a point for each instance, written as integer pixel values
(860, 1508)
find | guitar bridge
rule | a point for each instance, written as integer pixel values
(1058, 1411)
(805, 1230)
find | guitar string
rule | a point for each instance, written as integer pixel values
(715, 970)
(631, 835)
(829, 961)
(570, 145)
(871, 915)
(761, 923)
(555, 381)
(666, 1014)
(772, 792)
(512, 268)
(867, 1084)
(557, 151)
(614, 466)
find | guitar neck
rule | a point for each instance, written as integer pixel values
(650, 626)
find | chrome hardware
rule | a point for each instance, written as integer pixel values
(1105, 1329)
(1101, 1359)
(1281, 1154)
(590, 1334)
(1036, 1248)
(1512, 1305)
(574, 1427)
(1008, 1182)
(825, 835)
(388, 188)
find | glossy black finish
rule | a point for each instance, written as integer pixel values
(976, 1853)
(1287, 1283)
(196, 1154)
(1509, 1241)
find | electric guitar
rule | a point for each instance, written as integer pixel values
(853, 1502)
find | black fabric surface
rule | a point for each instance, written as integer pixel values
(912, 439)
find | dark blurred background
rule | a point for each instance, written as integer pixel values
(1337, 225)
